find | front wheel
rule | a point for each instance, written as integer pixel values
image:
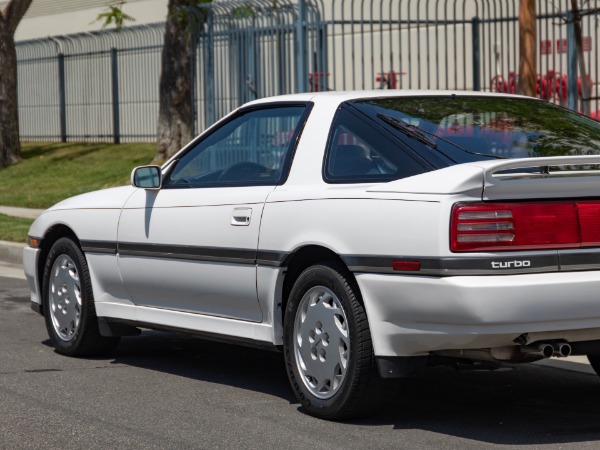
(69, 303)
(327, 345)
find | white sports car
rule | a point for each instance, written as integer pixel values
(364, 234)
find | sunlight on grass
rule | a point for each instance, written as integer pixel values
(51, 172)
(14, 228)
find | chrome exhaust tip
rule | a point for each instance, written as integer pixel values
(537, 351)
(562, 349)
(546, 350)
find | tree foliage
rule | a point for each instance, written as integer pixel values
(114, 15)
(10, 17)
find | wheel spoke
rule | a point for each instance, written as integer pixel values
(65, 297)
(322, 344)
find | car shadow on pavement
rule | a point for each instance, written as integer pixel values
(188, 356)
(515, 405)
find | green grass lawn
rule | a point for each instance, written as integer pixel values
(51, 172)
(14, 228)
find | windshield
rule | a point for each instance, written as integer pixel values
(467, 129)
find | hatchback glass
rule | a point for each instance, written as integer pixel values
(462, 129)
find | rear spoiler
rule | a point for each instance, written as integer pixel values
(513, 179)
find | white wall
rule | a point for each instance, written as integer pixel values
(58, 17)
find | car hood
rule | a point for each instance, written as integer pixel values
(113, 198)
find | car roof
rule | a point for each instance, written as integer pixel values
(343, 96)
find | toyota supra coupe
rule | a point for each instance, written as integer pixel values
(365, 235)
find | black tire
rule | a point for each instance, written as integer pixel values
(68, 303)
(359, 393)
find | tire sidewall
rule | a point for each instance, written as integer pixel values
(65, 246)
(321, 275)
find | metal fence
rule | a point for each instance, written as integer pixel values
(103, 86)
(91, 87)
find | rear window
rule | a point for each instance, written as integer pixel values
(359, 151)
(462, 129)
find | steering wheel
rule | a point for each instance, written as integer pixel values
(242, 171)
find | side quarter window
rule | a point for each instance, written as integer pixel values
(253, 148)
(359, 152)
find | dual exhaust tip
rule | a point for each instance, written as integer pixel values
(547, 349)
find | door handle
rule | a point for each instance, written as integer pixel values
(241, 217)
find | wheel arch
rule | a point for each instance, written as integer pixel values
(53, 234)
(304, 257)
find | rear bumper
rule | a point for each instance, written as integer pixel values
(411, 315)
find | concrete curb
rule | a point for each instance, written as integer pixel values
(11, 252)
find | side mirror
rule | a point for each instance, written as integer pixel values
(147, 177)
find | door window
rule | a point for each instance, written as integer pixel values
(253, 148)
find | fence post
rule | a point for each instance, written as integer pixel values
(209, 70)
(301, 49)
(571, 64)
(322, 58)
(194, 79)
(250, 76)
(62, 101)
(476, 54)
(114, 66)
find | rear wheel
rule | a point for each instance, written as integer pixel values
(68, 301)
(327, 345)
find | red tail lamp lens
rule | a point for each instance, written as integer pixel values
(524, 226)
(589, 220)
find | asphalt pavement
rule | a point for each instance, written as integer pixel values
(166, 390)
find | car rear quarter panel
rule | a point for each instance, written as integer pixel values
(351, 225)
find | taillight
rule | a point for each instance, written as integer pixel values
(524, 226)
(589, 219)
